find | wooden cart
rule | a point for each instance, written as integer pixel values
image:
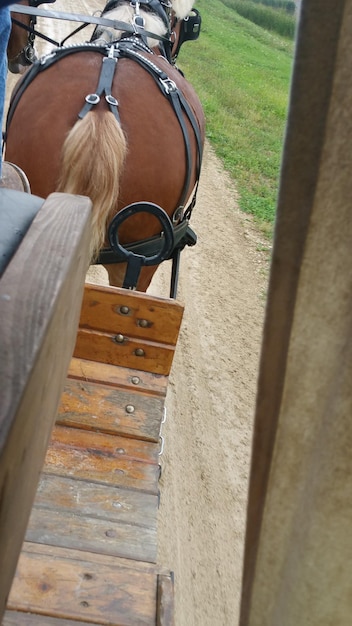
(89, 555)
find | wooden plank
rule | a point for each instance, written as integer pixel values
(69, 584)
(134, 353)
(92, 534)
(40, 298)
(103, 560)
(96, 500)
(299, 543)
(121, 377)
(103, 458)
(165, 600)
(109, 410)
(103, 446)
(16, 618)
(135, 314)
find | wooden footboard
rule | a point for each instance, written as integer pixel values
(91, 543)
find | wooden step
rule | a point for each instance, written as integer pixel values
(107, 459)
(98, 407)
(69, 585)
(123, 328)
(121, 377)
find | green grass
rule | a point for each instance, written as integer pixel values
(241, 73)
(271, 18)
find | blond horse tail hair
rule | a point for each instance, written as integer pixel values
(92, 160)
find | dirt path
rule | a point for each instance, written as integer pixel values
(210, 407)
(210, 404)
(211, 398)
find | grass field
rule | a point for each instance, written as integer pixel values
(241, 73)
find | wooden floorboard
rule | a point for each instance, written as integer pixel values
(69, 530)
(91, 543)
(17, 618)
(110, 460)
(98, 407)
(96, 500)
(72, 584)
(121, 377)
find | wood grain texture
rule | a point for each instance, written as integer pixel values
(107, 502)
(103, 560)
(102, 310)
(108, 410)
(165, 601)
(16, 618)
(103, 458)
(121, 377)
(128, 329)
(69, 584)
(103, 347)
(40, 300)
(92, 534)
(299, 542)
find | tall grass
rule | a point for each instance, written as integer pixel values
(287, 5)
(269, 17)
(241, 73)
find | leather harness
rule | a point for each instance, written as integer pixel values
(160, 247)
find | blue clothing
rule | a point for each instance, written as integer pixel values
(5, 30)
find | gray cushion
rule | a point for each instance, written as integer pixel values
(17, 211)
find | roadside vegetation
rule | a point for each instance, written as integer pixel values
(241, 72)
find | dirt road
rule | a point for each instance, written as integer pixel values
(211, 397)
(210, 407)
(210, 404)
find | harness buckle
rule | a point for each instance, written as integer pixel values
(111, 54)
(177, 215)
(92, 98)
(168, 85)
(111, 100)
(138, 22)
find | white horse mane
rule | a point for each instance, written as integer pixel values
(153, 23)
(182, 7)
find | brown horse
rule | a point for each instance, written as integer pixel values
(114, 120)
(20, 49)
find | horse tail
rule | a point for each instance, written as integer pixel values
(92, 160)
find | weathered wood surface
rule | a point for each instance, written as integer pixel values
(150, 318)
(92, 533)
(100, 407)
(120, 330)
(71, 584)
(121, 377)
(130, 352)
(16, 618)
(297, 567)
(118, 461)
(40, 298)
(91, 543)
(69, 495)
(165, 601)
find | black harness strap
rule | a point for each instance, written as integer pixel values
(40, 66)
(183, 235)
(34, 32)
(87, 19)
(178, 102)
(155, 6)
(131, 48)
(104, 86)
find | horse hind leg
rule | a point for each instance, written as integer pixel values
(116, 273)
